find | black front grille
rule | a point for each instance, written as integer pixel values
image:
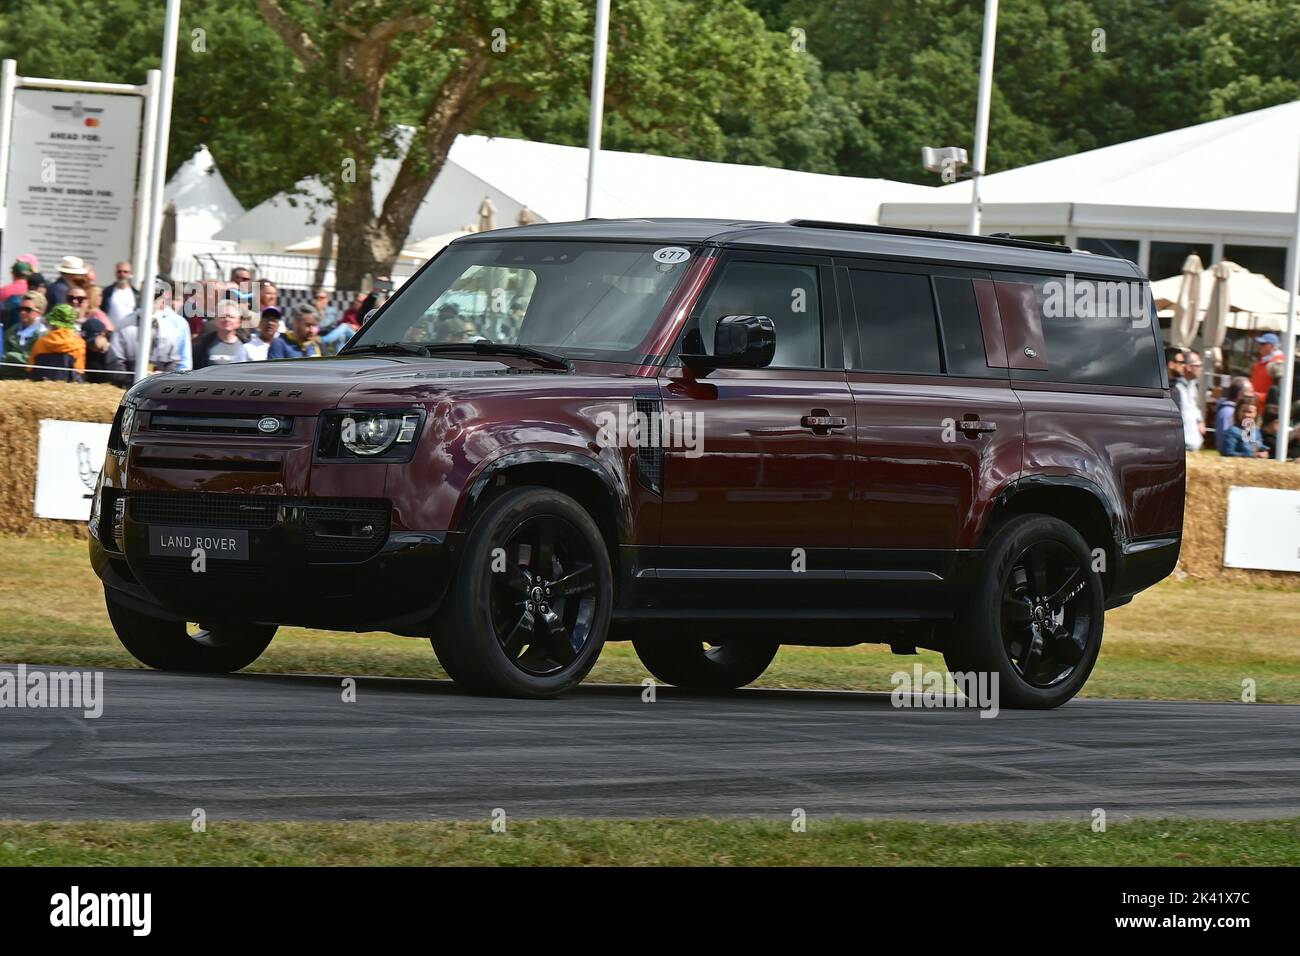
(178, 571)
(332, 529)
(344, 531)
(207, 511)
(216, 423)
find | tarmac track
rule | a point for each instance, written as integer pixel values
(270, 747)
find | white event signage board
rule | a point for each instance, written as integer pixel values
(1263, 529)
(69, 458)
(72, 178)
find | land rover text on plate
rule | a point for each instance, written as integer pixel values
(710, 438)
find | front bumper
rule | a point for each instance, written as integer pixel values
(288, 579)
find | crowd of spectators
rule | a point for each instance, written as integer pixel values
(72, 329)
(1245, 418)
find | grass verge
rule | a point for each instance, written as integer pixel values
(697, 842)
(1178, 641)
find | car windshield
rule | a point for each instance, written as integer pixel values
(579, 300)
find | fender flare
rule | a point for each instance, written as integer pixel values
(1109, 506)
(470, 498)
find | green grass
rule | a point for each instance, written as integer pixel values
(1178, 641)
(698, 842)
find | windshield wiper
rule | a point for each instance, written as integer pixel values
(486, 347)
(399, 348)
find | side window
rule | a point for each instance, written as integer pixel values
(963, 335)
(895, 319)
(1094, 331)
(787, 294)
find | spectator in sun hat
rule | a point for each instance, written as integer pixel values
(22, 335)
(1268, 352)
(72, 271)
(61, 348)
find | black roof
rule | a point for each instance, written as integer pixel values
(815, 237)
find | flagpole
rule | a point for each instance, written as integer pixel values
(982, 112)
(144, 326)
(1288, 343)
(597, 99)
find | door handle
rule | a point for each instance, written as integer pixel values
(822, 421)
(973, 426)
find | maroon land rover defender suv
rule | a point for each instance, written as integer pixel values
(710, 438)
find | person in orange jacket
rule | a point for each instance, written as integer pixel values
(1267, 354)
(62, 338)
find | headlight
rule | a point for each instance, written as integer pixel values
(128, 421)
(369, 435)
(123, 428)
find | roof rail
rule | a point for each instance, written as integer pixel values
(1001, 239)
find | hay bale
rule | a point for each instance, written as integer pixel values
(1205, 519)
(22, 406)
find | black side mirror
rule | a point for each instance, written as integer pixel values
(368, 316)
(739, 341)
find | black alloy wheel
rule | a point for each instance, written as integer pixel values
(530, 604)
(1034, 615)
(1046, 619)
(544, 602)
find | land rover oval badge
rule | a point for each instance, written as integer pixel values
(268, 425)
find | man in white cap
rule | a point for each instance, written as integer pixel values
(72, 271)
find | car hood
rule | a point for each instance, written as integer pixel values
(298, 385)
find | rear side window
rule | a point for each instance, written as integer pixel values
(1093, 331)
(896, 322)
(963, 336)
(784, 292)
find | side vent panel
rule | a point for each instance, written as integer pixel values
(650, 455)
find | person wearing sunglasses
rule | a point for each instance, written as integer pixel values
(95, 330)
(23, 334)
(60, 354)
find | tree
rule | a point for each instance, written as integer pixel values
(235, 84)
(443, 66)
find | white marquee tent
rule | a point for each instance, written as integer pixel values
(1227, 187)
(550, 181)
(204, 206)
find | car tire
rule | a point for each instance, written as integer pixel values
(687, 662)
(169, 645)
(1035, 616)
(529, 609)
